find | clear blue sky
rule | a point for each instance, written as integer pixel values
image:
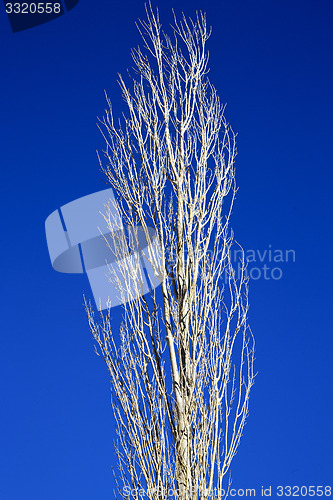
(271, 61)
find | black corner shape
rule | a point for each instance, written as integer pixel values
(23, 15)
(70, 4)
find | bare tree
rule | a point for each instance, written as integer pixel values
(182, 370)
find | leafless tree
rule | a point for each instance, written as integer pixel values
(182, 369)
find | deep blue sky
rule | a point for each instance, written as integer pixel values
(271, 61)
